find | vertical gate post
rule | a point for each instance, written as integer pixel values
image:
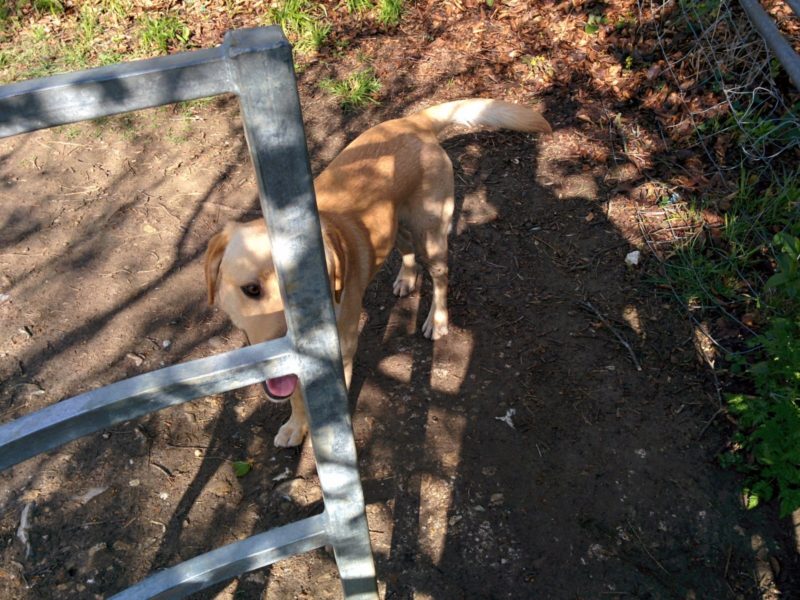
(273, 126)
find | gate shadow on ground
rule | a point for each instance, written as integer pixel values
(477, 508)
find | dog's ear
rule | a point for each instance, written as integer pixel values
(214, 253)
(336, 257)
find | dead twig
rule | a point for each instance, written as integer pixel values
(163, 469)
(632, 529)
(5, 413)
(539, 239)
(710, 421)
(727, 563)
(586, 305)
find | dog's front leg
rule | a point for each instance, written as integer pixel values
(294, 430)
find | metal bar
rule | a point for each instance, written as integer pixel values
(774, 39)
(273, 127)
(131, 398)
(230, 561)
(257, 65)
(40, 103)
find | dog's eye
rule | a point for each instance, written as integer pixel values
(252, 290)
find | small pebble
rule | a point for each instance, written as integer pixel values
(632, 258)
(134, 358)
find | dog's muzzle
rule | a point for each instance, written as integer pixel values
(278, 389)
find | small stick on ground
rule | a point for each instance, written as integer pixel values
(586, 305)
(710, 421)
(632, 529)
(727, 563)
(163, 469)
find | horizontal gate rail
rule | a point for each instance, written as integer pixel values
(141, 395)
(71, 97)
(256, 65)
(229, 561)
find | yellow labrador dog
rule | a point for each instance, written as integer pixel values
(392, 185)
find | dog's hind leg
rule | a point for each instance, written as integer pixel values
(434, 257)
(406, 279)
(432, 250)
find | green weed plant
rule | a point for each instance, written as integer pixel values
(54, 7)
(767, 446)
(358, 6)
(753, 270)
(159, 33)
(305, 23)
(356, 90)
(390, 12)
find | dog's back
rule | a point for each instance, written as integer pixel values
(390, 171)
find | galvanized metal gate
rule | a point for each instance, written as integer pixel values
(774, 39)
(256, 65)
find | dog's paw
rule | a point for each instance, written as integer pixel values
(405, 283)
(291, 433)
(435, 325)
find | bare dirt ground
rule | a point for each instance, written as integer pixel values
(603, 482)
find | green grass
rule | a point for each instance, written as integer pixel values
(160, 33)
(109, 58)
(754, 269)
(358, 6)
(38, 33)
(731, 275)
(387, 12)
(766, 447)
(755, 125)
(305, 23)
(390, 12)
(84, 35)
(33, 56)
(5, 15)
(355, 91)
(54, 7)
(44, 37)
(115, 9)
(70, 132)
(189, 108)
(35, 51)
(88, 24)
(79, 53)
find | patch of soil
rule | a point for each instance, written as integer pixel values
(524, 455)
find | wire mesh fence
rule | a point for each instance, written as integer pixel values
(740, 120)
(739, 104)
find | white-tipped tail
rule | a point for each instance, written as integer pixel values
(478, 112)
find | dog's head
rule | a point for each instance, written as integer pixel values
(242, 281)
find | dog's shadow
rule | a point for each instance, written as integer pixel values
(401, 395)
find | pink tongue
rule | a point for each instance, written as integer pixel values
(282, 387)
